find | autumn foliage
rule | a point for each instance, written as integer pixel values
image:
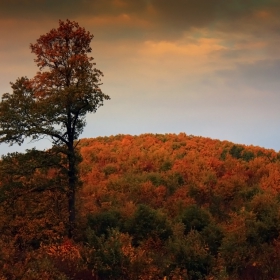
(55, 102)
(151, 206)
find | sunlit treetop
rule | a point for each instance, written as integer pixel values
(66, 87)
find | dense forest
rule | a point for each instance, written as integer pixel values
(154, 206)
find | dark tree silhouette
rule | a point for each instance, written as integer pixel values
(55, 102)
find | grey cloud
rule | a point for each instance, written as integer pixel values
(20, 9)
(65, 8)
(181, 15)
(168, 19)
(262, 75)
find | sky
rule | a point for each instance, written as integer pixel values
(207, 68)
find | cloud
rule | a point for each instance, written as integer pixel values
(202, 47)
(39, 9)
(168, 19)
(262, 75)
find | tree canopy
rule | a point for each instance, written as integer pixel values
(55, 102)
(151, 207)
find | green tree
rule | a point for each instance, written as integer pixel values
(55, 102)
(195, 218)
(189, 255)
(147, 222)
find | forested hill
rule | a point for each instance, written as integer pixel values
(171, 171)
(152, 206)
(213, 204)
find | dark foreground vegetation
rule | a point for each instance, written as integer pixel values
(148, 207)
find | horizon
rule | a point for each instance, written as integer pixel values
(44, 144)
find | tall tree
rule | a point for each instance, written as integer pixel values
(55, 102)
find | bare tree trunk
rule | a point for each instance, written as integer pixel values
(72, 182)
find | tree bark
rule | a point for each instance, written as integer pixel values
(72, 182)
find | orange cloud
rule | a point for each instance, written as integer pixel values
(203, 46)
(123, 19)
(264, 14)
(119, 3)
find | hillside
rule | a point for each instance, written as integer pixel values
(172, 171)
(150, 206)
